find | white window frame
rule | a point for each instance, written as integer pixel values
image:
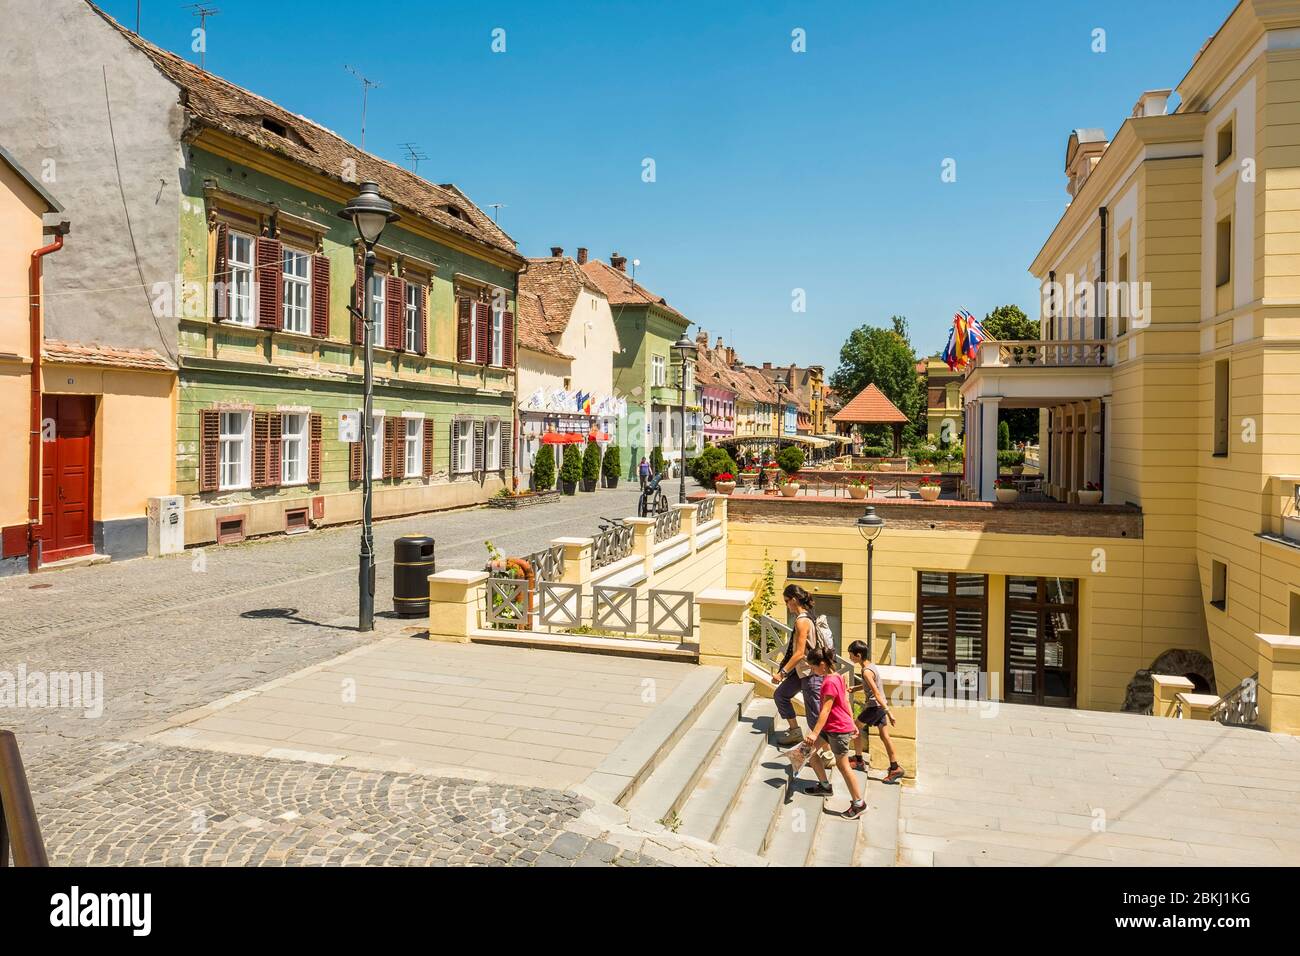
(377, 303)
(239, 279)
(658, 370)
(235, 448)
(297, 292)
(413, 447)
(377, 445)
(497, 344)
(289, 438)
(492, 444)
(462, 447)
(411, 314)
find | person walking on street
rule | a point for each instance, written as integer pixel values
(875, 713)
(794, 676)
(644, 471)
(834, 729)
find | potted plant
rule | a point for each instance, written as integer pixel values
(611, 466)
(929, 490)
(570, 470)
(1005, 491)
(789, 486)
(590, 466)
(1091, 494)
(544, 469)
(724, 482)
(858, 488)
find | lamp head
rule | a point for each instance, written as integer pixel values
(870, 524)
(369, 212)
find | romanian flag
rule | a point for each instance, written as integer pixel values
(586, 403)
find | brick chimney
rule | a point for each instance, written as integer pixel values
(767, 366)
(557, 251)
(582, 255)
(618, 262)
(731, 355)
(702, 339)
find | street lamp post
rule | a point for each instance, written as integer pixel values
(869, 526)
(369, 213)
(685, 349)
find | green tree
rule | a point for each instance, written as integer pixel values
(612, 467)
(591, 462)
(571, 469)
(1008, 323)
(544, 469)
(1004, 436)
(885, 358)
(791, 460)
(657, 460)
(710, 463)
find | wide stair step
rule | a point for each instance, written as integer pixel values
(879, 844)
(797, 825)
(668, 788)
(709, 807)
(749, 825)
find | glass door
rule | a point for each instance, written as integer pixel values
(952, 611)
(1042, 641)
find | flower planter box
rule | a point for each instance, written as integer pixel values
(790, 490)
(1007, 495)
(529, 499)
(568, 487)
(724, 487)
(858, 491)
(929, 492)
(611, 481)
(588, 484)
(1089, 497)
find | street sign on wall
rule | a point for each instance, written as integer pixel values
(349, 426)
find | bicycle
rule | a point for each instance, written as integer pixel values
(653, 501)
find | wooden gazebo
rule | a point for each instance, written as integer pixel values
(872, 407)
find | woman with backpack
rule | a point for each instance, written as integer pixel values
(794, 675)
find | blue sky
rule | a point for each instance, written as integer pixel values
(775, 170)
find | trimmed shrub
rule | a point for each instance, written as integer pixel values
(612, 466)
(711, 462)
(544, 469)
(571, 469)
(657, 460)
(591, 462)
(1009, 459)
(791, 460)
(1004, 436)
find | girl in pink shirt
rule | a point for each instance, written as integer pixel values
(835, 727)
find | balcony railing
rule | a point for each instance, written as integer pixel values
(1068, 353)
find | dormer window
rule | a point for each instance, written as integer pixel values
(274, 126)
(454, 211)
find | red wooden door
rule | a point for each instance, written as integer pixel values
(67, 472)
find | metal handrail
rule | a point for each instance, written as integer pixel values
(20, 830)
(1239, 707)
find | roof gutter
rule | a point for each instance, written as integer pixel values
(34, 438)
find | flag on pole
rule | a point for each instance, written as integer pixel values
(949, 355)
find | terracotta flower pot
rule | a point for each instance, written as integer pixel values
(857, 491)
(1089, 497)
(929, 492)
(725, 487)
(1007, 495)
(790, 489)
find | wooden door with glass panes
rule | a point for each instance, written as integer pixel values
(952, 615)
(1042, 641)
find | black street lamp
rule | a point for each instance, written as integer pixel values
(869, 526)
(370, 213)
(686, 351)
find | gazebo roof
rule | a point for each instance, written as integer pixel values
(870, 407)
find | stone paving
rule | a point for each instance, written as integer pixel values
(1040, 786)
(168, 635)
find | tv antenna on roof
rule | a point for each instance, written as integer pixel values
(366, 85)
(202, 12)
(414, 153)
(496, 208)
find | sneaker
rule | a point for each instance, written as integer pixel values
(820, 789)
(794, 736)
(855, 810)
(895, 773)
(857, 763)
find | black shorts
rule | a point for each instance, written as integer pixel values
(873, 716)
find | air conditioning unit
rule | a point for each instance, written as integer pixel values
(166, 525)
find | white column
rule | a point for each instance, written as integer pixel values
(988, 447)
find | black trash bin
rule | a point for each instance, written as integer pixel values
(412, 565)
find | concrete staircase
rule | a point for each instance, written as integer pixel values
(723, 781)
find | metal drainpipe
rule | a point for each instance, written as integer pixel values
(34, 438)
(1099, 298)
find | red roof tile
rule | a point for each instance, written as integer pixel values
(78, 353)
(870, 406)
(621, 290)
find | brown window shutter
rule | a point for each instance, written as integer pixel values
(479, 444)
(221, 274)
(508, 346)
(209, 448)
(483, 332)
(421, 327)
(464, 320)
(453, 459)
(359, 297)
(354, 461)
(395, 313)
(320, 296)
(274, 447)
(269, 258)
(390, 445)
(428, 448)
(313, 460)
(507, 445)
(261, 442)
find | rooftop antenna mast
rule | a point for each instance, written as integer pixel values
(415, 154)
(202, 12)
(496, 208)
(366, 86)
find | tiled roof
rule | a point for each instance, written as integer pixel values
(78, 353)
(532, 319)
(870, 406)
(621, 290)
(558, 281)
(213, 102)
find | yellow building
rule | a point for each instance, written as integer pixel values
(943, 417)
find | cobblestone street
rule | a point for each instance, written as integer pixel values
(174, 633)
